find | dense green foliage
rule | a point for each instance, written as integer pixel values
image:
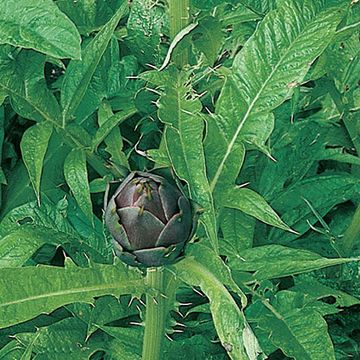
(252, 106)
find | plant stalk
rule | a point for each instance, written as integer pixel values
(155, 317)
(157, 305)
(179, 14)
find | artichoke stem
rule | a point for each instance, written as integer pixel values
(155, 317)
(179, 14)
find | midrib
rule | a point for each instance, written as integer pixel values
(248, 112)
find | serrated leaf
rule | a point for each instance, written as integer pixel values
(293, 163)
(113, 141)
(106, 309)
(34, 144)
(208, 37)
(106, 82)
(64, 339)
(22, 78)
(113, 121)
(18, 246)
(183, 138)
(296, 212)
(80, 72)
(295, 338)
(46, 215)
(202, 267)
(253, 204)
(273, 261)
(38, 25)
(194, 348)
(314, 289)
(37, 290)
(261, 83)
(294, 326)
(66, 226)
(76, 176)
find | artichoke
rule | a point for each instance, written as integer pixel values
(150, 220)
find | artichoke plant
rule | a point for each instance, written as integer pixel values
(150, 220)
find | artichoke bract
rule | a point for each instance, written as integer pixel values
(150, 220)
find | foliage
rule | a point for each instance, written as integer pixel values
(253, 109)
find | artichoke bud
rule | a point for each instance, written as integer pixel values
(150, 220)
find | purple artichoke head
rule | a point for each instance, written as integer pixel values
(150, 220)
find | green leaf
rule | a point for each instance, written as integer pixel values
(29, 348)
(100, 184)
(20, 191)
(238, 231)
(294, 326)
(89, 16)
(261, 83)
(112, 122)
(106, 309)
(10, 349)
(64, 339)
(64, 225)
(215, 142)
(113, 141)
(179, 108)
(273, 261)
(202, 267)
(106, 82)
(22, 78)
(294, 209)
(18, 246)
(77, 178)
(37, 290)
(39, 25)
(34, 144)
(208, 38)
(252, 204)
(145, 37)
(314, 289)
(128, 341)
(207, 4)
(79, 73)
(292, 162)
(46, 215)
(194, 348)
(339, 155)
(2, 136)
(259, 6)
(342, 62)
